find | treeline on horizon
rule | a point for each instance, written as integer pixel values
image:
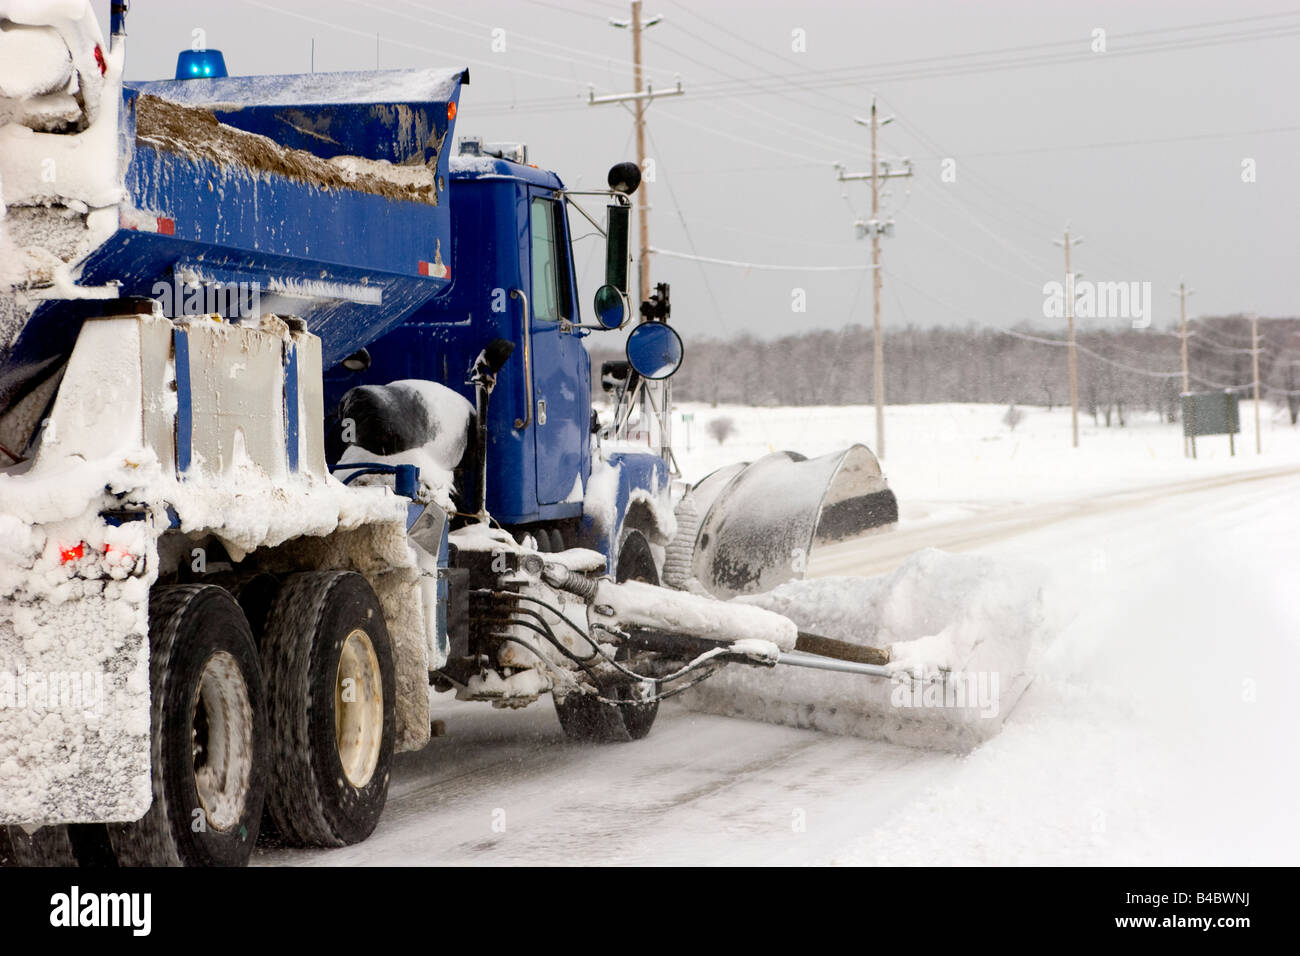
(974, 364)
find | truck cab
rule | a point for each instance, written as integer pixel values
(512, 277)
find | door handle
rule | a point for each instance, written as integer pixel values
(521, 423)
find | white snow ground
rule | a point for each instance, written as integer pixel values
(1158, 728)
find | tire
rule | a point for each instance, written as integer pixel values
(48, 846)
(71, 844)
(332, 756)
(549, 540)
(636, 562)
(209, 740)
(582, 716)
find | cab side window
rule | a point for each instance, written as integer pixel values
(549, 264)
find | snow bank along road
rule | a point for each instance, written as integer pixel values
(1158, 729)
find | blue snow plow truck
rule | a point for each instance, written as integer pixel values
(296, 429)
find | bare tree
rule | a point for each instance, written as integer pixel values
(1124, 370)
(1286, 379)
(721, 429)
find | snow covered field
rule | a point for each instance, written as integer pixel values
(948, 460)
(1158, 728)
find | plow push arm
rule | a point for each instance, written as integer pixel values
(707, 631)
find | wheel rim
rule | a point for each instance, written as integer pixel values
(358, 708)
(221, 737)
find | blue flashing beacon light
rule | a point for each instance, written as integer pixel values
(200, 65)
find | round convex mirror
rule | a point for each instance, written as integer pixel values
(611, 307)
(654, 350)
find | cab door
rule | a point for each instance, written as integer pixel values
(561, 369)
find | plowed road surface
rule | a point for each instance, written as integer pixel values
(1104, 779)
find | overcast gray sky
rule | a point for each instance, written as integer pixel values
(1140, 148)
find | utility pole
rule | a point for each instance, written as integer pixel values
(642, 202)
(1254, 357)
(1183, 292)
(640, 98)
(1068, 243)
(875, 229)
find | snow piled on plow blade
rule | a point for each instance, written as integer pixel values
(961, 631)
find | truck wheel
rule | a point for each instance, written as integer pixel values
(332, 705)
(636, 562)
(64, 844)
(209, 735)
(48, 846)
(582, 716)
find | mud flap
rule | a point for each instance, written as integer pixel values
(758, 524)
(74, 700)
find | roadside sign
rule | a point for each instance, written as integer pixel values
(1211, 413)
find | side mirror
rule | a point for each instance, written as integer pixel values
(616, 246)
(611, 307)
(654, 350)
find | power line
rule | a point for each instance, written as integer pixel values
(562, 9)
(768, 236)
(444, 15)
(1116, 144)
(1200, 337)
(954, 203)
(964, 250)
(460, 58)
(1033, 338)
(1006, 199)
(758, 144)
(830, 79)
(776, 84)
(756, 265)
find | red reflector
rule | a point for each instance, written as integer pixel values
(99, 58)
(424, 268)
(72, 554)
(166, 226)
(451, 110)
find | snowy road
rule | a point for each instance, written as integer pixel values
(1157, 731)
(883, 552)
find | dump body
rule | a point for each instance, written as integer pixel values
(341, 219)
(334, 197)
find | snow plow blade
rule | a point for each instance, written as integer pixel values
(748, 528)
(934, 654)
